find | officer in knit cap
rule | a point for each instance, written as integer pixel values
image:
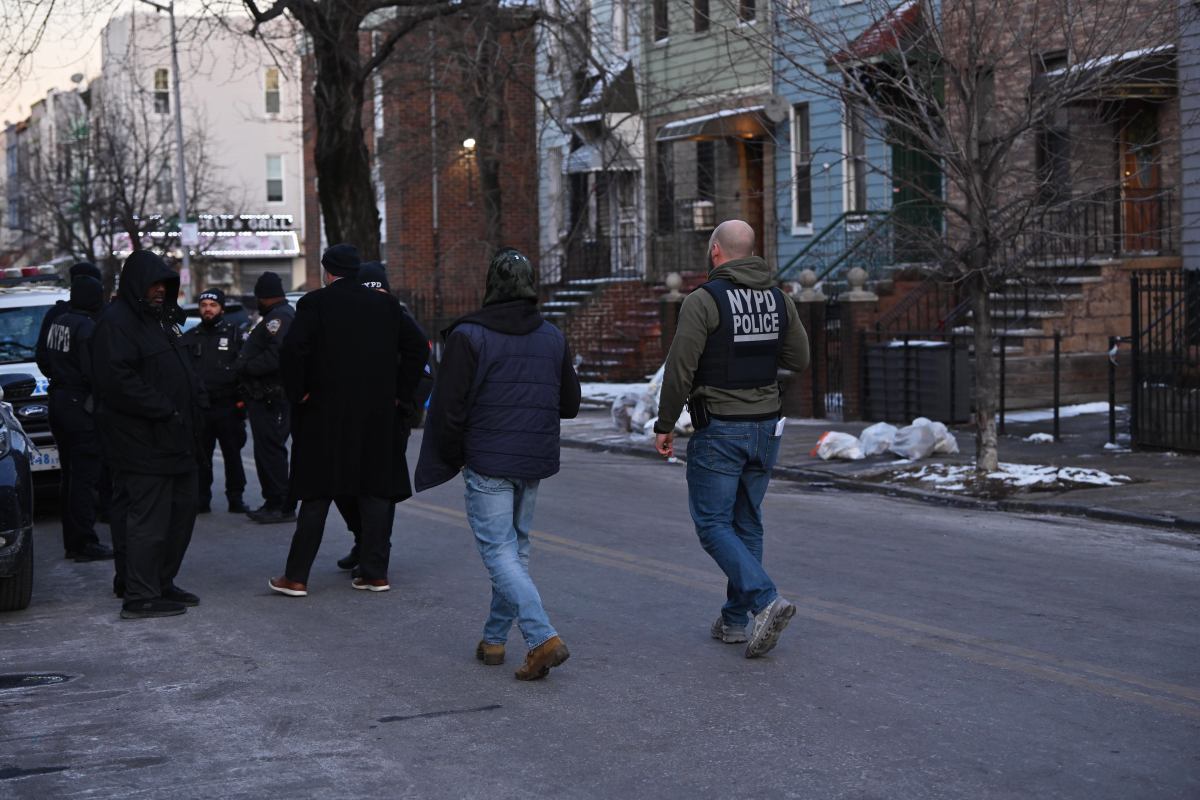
(214, 345)
(257, 367)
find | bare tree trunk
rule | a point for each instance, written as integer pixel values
(987, 456)
(346, 191)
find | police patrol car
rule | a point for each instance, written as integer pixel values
(26, 294)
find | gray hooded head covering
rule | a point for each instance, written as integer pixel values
(510, 277)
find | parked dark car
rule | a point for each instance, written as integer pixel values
(16, 495)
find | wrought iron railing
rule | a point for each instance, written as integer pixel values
(853, 239)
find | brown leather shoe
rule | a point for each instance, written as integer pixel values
(542, 658)
(290, 588)
(373, 585)
(490, 654)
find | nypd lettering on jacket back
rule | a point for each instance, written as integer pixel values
(755, 314)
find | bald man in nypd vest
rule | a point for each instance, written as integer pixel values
(736, 332)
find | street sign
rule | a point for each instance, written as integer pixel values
(189, 234)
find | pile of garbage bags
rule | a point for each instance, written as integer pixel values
(913, 442)
(636, 411)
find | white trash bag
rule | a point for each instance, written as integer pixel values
(837, 445)
(876, 439)
(914, 442)
(946, 444)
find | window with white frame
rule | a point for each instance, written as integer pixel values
(274, 179)
(855, 136)
(662, 25)
(162, 91)
(163, 186)
(802, 217)
(271, 84)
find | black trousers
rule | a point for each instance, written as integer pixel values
(79, 455)
(158, 529)
(270, 424)
(222, 425)
(347, 506)
(375, 537)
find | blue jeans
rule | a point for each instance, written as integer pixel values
(728, 468)
(500, 511)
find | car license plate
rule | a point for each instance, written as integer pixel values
(44, 458)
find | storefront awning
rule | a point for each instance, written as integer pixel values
(222, 244)
(733, 123)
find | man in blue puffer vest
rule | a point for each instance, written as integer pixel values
(505, 380)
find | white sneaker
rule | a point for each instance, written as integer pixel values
(768, 624)
(729, 634)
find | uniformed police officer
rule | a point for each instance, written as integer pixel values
(735, 332)
(257, 368)
(66, 360)
(215, 344)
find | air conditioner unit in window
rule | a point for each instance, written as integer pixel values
(704, 215)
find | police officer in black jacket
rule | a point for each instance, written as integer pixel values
(257, 368)
(65, 358)
(215, 344)
(82, 268)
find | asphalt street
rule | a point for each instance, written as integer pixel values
(937, 653)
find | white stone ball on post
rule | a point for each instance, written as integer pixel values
(809, 292)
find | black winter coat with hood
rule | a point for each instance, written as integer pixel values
(148, 394)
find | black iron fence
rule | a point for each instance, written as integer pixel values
(932, 374)
(1165, 404)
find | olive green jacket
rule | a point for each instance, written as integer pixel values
(699, 317)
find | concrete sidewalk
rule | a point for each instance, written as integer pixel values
(1165, 490)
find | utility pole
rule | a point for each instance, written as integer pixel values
(180, 166)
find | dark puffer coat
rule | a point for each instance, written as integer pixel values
(148, 394)
(506, 379)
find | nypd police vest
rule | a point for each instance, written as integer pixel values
(743, 351)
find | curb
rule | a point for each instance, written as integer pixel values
(816, 476)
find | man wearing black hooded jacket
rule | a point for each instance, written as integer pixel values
(148, 416)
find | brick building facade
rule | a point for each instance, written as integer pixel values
(432, 148)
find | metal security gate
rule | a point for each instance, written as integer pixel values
(1165, 404)
(832, 358)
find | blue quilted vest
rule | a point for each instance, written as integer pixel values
(513, 424)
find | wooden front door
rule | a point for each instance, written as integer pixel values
(1141, 180)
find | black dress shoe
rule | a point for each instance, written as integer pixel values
(350, 560)
(272, 516)
(236, 506)
(93, 551)
(144, 609)
(177, 595)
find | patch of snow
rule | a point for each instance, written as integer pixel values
(1117, 448)
(608, 392)
(1039, 438)
(916, 343)
(957, 477)
(1044, 414)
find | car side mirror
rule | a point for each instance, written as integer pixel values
(17, 386)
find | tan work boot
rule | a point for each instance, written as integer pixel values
(490, 654)
(542, 658)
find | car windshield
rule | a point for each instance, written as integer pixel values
(18, 332)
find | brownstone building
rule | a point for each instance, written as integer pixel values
(451, 126)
